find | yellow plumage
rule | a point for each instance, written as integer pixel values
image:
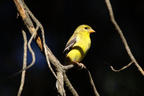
(78, 44)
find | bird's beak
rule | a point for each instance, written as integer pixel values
(91, 31)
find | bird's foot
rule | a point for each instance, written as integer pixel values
(81, 65)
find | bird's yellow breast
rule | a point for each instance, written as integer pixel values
(80, 48)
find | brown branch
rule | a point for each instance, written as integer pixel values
(124, 67)
(31, 51)
(24, 64)
(92, 84)
(60, 83)
(28, 22)
(39, 25)
(122, 36)
(25, 13)
(60, 75)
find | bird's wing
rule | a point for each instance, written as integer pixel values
(69, 45)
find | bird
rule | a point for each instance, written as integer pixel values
(78, 45)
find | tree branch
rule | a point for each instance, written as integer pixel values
(28, 18)
(124, 67)
(24, 64)
(92, 83)
(25, 13)
(69, 85)
(122, 37)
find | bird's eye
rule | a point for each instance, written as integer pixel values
(86, 28)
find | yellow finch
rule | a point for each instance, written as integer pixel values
(78, 45)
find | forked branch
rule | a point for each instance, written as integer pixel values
(29, 20)
(122, 36)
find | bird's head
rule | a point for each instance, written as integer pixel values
(85, 28)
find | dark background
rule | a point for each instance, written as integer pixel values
(60, 18)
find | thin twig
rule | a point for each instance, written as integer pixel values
(122, 36)
(24, 64)
(31, 51)
(92, 84)
(67, 67)
(60, 71)
(39, 25)
(27, 21)
(25, 14)
(124, 67)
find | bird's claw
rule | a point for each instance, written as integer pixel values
(81, 65)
